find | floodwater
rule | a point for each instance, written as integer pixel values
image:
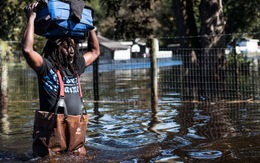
(129, 131)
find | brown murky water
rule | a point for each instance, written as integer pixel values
(131, 132)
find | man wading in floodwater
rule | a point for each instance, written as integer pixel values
(60, 54)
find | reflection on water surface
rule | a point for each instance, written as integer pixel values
(129, 131)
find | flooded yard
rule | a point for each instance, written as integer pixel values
(124, 128)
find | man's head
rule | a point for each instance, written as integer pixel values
(67, 49)
(62, 53)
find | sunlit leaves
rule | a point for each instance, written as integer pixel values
(12, 19)
(242, 16)
(132, 18)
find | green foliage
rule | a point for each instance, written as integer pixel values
(242, 16)
(104, 23)
(13, 22)
(5, 51)
(126, 19)
(164, 15)
(142, 18)
(238, 62)
(12, 18)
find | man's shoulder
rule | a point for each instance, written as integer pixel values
(46, 67)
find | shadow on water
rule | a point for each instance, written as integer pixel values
(133, 132)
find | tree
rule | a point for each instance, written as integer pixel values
(4, 56)
(242, 17)
(206, 41)
(202, 63)
(137, 19)
(12, 18)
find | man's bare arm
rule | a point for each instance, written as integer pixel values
(93, 48)
(33, 58)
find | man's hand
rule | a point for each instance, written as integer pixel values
(30, 9)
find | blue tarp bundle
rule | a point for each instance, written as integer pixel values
(53, 20)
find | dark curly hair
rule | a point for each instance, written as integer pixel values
(53, 53)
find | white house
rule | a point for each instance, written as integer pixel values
(114, 50)
(111, 50)
(247, 46)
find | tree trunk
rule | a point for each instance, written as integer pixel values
(186, 27)
(202, 61)
(212, 54)
(4, 53)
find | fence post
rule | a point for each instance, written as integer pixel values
(96, 83)
(154, 86)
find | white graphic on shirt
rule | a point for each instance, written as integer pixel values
(51, 83)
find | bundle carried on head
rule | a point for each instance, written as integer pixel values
(63, 18)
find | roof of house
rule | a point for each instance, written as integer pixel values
(113, 45)
(103, 39)
(109, 44)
